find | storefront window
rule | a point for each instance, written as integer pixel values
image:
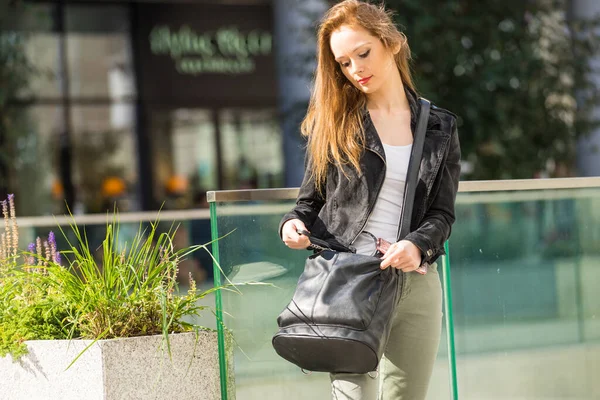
(103, 140)
(185, 156)
(158, 139)
(33, 159)
(29, 131)
(42, 51)
(252, 148)
(99, 52)
(30, 40)
(104, 159)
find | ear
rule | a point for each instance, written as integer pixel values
(396, 47)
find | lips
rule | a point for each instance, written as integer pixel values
(364, 80)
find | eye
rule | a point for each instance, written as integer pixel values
(365, 54)
(345, 64)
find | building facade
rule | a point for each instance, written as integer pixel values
(145, 104)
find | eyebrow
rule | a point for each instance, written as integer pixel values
(356, 48)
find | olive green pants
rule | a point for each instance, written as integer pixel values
(406, 367)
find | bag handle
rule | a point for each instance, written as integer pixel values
(315, 242)
(413, 169)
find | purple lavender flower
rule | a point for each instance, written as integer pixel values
(30, 258)
(52, 239)
(53, 253)
(38, 251)
(14, 228)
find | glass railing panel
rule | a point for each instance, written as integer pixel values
(525, 276)
(252, 251)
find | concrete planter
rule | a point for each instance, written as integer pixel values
(129, 368)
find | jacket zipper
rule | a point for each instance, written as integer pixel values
(373, 205)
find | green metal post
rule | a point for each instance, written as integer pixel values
(578, 265)
(449, 322)
(218, 304)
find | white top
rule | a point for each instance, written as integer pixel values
(385, 217)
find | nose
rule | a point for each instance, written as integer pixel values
(357, 68)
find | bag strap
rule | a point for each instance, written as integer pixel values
(413, 170)
(411, 180)
(315, 242)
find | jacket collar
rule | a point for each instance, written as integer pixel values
(372, 141)
(415, 108)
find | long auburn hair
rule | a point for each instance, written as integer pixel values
(333, 122)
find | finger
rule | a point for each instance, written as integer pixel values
(290, 233)
(304, 241)
(399, 261)
(296, 244)
(299, 226)
(301, 243)
(409, 266)
(392, 257)
(290, 237)
(387, 261)
(290, 227)
(301, 238)
(391, 249)
(298, 240)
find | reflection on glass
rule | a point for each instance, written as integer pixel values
(525, 278)
(184, 158)
(21, 16)
(29, 30)
(253, 252)
(252, 149)
(99, 52)
(32, 153)
(193, 139)
(42, 49)
(104, 157)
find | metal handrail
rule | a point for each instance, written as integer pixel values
(478, 188)
(102, 219)
(463, 187)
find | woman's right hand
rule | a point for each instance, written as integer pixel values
(291, 237)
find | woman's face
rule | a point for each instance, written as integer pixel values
(362, 57)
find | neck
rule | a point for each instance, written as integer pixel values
(389, 99)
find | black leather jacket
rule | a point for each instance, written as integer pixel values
(340, 214)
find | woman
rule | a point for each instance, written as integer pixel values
(360, 125)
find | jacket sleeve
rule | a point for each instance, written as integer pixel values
(308, 203)
(436, 225)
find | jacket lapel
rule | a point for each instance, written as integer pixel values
(434, 150)
(434, 147)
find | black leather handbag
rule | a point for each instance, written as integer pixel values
(339, 318)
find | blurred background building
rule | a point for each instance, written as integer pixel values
(139, 103)
(152, 103)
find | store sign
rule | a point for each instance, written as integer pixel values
(226, 50)
(205, 53)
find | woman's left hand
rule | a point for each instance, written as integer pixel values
(403, 255)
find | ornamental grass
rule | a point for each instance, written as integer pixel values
(47, 294)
